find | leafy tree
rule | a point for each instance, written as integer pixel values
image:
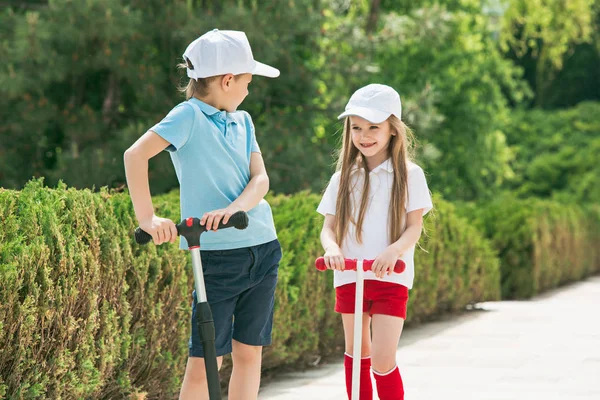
(454, 56)
(543, 33)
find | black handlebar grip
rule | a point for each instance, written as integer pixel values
(238, 220)
(142, 237)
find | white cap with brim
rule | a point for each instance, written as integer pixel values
(265, 70)
(375, 103)
(371, 115)
(224, 52)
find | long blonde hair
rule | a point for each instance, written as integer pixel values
(400, 150)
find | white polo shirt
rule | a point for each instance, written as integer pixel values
(375, 235)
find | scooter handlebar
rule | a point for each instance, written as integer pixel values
(350, 264)
(238, 220)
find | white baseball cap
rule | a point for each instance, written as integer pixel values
(375, 103)
(224, 52)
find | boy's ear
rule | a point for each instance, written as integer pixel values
(226, 81)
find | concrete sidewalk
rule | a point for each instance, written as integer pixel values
(546, 348)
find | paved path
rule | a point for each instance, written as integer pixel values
(546, 348)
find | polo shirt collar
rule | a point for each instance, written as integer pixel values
(211, 111)
(386, 166)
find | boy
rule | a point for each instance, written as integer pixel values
(220, 170)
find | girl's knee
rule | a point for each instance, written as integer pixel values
(365, 345)
(382, 364)
(365, 350)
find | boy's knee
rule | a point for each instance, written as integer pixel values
(246, 354)
(196, 371)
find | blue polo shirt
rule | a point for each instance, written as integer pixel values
(210, 150)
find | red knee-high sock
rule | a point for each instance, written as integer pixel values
(389, 385)
(366, 385)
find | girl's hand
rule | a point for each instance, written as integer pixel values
(212, 219)
(161, 229)
(334, 259)
(385, 262)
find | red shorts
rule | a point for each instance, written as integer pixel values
(379, 298)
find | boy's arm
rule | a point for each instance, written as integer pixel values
(255, 191)
(136, 170)
(257, 188)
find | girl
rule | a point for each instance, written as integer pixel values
(373, 208)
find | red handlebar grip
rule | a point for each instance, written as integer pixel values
(351, 265)
(320, 264)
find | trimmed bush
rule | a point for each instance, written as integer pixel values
(87, 313)
(305, 325)
(457, 267)
(541, 243)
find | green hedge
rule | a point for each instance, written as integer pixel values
(87, 313)
(84, 312)
(541, 243)
(458, 265)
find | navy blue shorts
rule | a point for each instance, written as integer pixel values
(240, 285)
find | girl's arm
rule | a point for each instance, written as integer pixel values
(334, 259)
(136, 170)
(253, 193)
(410, 237)
(384, 263)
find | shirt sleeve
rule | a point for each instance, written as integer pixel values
(328, 202)
(418, 192)
(176, 127)
(254, 147)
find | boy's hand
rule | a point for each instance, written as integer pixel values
(211, 219)
(161, 229)
(385, 262)
(334, 259)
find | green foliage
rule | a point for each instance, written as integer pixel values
(305, 324)
(83, 80)
(556, 153)
(453, 55)
(541, 244)
(546, 30)
(453, 81)
(86, 97)
(87, 313)
(457, 266)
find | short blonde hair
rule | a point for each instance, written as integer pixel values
(195, 86)
(198, 86)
